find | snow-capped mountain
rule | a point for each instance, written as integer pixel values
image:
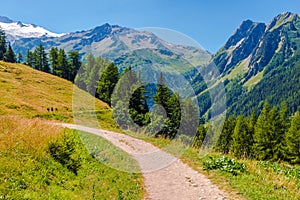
(113, 41)
(110, 41)
(16, 30)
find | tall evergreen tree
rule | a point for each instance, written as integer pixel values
(53, 55)
(9, 55)
(267, 136)
(281, 126)
(75, 64)
(163, 94)
(92, 72)
(224, 142)
(107, 83)
(171, 104)
(251, 121)
(292, 138)
(30, 59)
(241, 138)
(2, 44)
(129, 94)
(63, 65)
(262, 146)
(174, 115)
(138, 102)
(41, 59)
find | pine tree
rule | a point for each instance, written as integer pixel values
(2, 44)
(163, 94)
(53, 55)
(171, 104)
(241, 138)
(267, 135)
(138, 103)
(262, 146)
(92, 72)
(224, 142)
(30, 59)
(174, 115)
(41, 59)
(130, 94)
(107, 83)
(9, 55)
(251, 121)
(292, 139)
(75, 64)
(63, 65)
(80, 79)
(281, 128)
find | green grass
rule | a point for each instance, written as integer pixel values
(238, 70)
(260, 181)
(29, 169)
(254, 80)
(108, 154)
(28, 93)
(281, 21)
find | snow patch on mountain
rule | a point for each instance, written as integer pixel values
(21, 30)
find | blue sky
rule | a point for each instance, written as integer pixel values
(209, 22)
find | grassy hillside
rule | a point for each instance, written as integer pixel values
(27, 92)
(42, 161)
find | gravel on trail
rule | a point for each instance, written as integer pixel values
(165, 176)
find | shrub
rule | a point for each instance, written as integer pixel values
(224, 164)
(65, 151)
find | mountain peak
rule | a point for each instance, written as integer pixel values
(284, 15)
(17, 29)
(240, 33)
(5, 19)
(281, 19)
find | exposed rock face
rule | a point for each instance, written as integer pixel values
(240, 45)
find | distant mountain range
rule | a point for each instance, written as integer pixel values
(109, 41)
(258, 62)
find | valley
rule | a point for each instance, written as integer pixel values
(85, 115)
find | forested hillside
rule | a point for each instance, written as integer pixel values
(259, 62)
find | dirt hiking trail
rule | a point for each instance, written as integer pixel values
(165, 176)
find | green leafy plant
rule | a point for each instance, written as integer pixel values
(224, 164)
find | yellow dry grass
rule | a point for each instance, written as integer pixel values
(28, 93)
(28, 135)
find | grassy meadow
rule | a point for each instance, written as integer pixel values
(42, 161)
(28, 93)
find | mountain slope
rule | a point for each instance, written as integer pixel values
(276, 58)
(239, 46)
(259, 62)
(113, 42)
(28, 92)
